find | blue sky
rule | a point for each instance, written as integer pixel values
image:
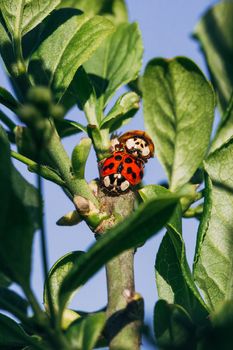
(166, 27)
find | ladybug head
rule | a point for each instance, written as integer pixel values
(138, 143)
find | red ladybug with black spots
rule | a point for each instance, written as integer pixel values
(121, 170)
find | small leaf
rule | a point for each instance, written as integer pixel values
(11, 334)
(123, 110)
(214, 33)
(22, 16)
(78, 37)
(57, 274)
(18, 218)
(7, 99)
(179, 110)
(117, 61)
(225, 128)
(10, 297)
(69, 127)
(79, 157)
(213, 269)
(173, 276)
(173, 327)
(85, 332)
(142, 224)
(115, 8)
(6, 48)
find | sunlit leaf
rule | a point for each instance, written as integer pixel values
(18, 218)
(117, 61)
(214, 32)
(142, 224)
(57, 59)
(178, 110)
(213, 259)
(84, 333)
(173, 276)
(21, 16)
(57, 274)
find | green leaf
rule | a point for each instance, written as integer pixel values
(22, 16)
(79, 157)
(69, 127)
(213, 269)
(57, 274)
(10, 297)
(142, 224)
(115, 8)
(225, 128)
(116, 62)
(123, 110)
(179, 110)
(171, 261)
(75, 40)
(4, 281)
(173, 327)
(7, 99)
(214, 32)
(11, 334)
(6, 48)
(18, 218)
(84, 333)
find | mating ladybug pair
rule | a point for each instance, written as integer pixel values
(125, 167)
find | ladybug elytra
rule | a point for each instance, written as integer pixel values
(138, 143)
(121, 170)
(125, 167)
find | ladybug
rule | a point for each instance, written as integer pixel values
(119, 171)
(138, 143)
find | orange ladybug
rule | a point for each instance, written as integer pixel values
(138, 143)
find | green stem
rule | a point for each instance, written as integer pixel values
(33, 302)
(42, 170)
(44, 247)
(122, 330)
(62, 162)
(7, 121)
(17, 313)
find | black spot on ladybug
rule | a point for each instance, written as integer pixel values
(118, 157)
(105, 168)
(141, 174)
(111, 166)
(120, 168)
(128, 160)
(129, 170)
(137, 143)
(134, 175)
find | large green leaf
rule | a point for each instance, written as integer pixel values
(122, 111)
(173, 277)
(117, 61)
(84, 333)
(6, 49)
(179, 110)
(11, 334)
(148, 219)
(18, 218)
(215, 32)
(213, 266)
(57, 274)
(57, 59)
(225, 128)
(114, 8)
(173, 327)
(22, 16)
(11, 298)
